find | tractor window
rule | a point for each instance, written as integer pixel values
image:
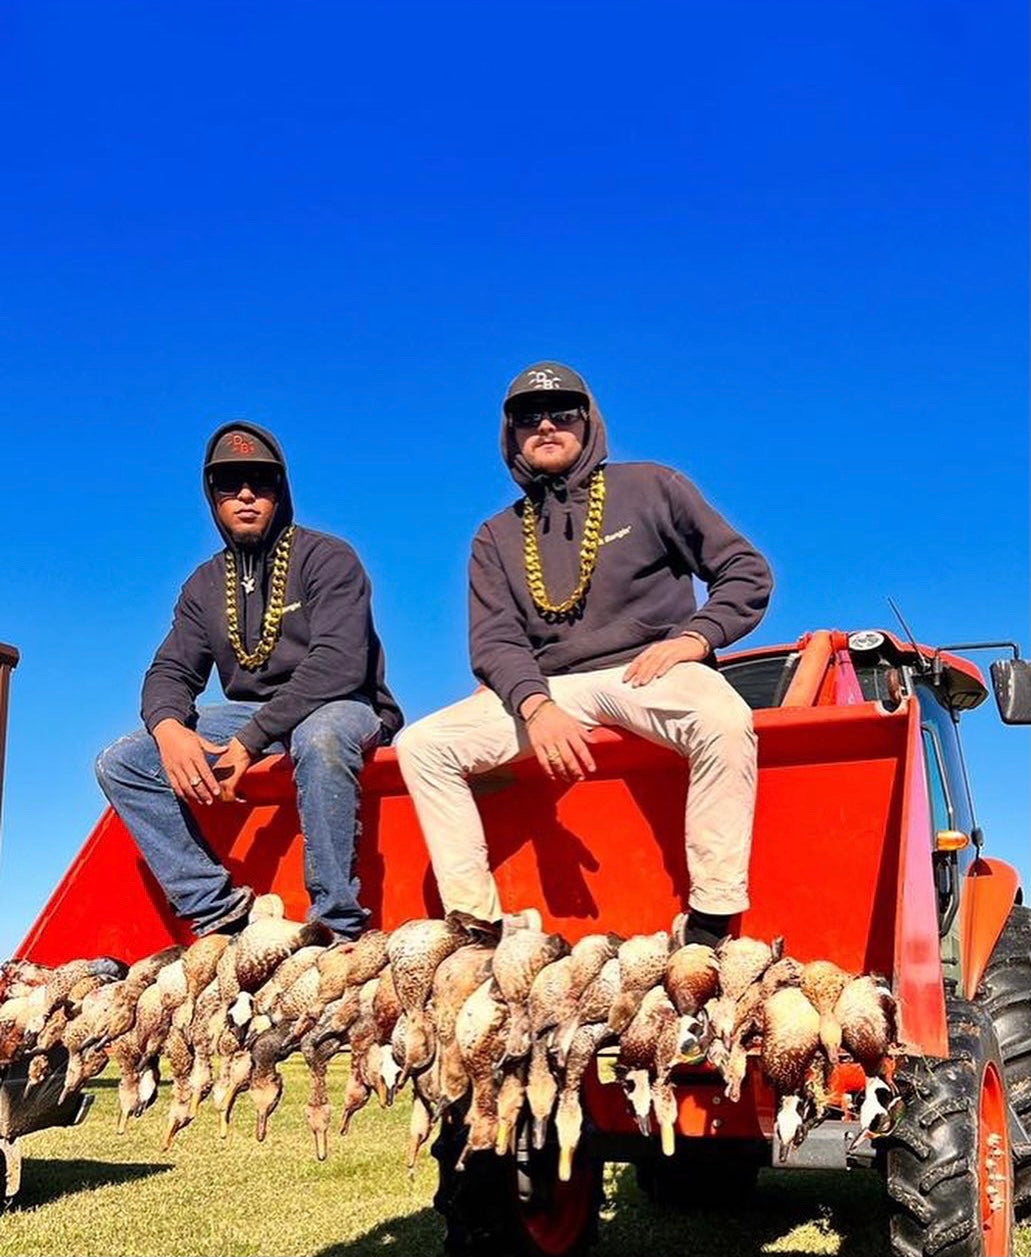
(937, 717)
(762, 681)
(875, 682)
(942, 811)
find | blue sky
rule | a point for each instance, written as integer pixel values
(785, 243)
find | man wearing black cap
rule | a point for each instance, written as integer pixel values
(285, 616)
(582, 613)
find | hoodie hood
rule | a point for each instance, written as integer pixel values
(284, 513)
(560, 379)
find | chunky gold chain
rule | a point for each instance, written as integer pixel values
(589, 547)
(273, 618)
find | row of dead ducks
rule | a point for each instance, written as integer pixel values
(508, 1026)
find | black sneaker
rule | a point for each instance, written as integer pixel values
(234, 919)
(697, 927)
(488, 932)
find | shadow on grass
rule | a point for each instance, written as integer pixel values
(44, 1181)
(814, 1204)
(419, 1234)
(791, 1209)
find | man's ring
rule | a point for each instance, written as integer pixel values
(195, 781)
(553, 756)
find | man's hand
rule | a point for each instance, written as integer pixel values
(184, 759)
(230, 767)
(559, 741)
(657, 659)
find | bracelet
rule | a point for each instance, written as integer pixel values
(539, 707)
(699, 638)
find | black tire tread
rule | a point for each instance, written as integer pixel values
(931, 1162)
(1005, 992)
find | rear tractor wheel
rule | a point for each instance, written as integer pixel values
(718, 1175)
(514, 1206)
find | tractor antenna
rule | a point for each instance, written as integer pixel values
(921, 662)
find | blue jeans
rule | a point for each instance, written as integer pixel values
(327, 750)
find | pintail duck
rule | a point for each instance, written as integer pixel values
(642, 964)
(456, 978)
(593, 1007)
(414, 950)
(480, 1032)
(568, 1112)
(822, 983)
(551, 1002)
(731, 1057)
(518, 959)
(636, 1064)
(866, 1012)
(741, 961)
(793, 1062)
(348, 963)
(366, 1052)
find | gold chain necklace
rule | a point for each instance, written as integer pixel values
(273, 619)
(589, 547)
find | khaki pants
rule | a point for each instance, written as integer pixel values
(691, 709)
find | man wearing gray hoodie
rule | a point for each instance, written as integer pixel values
(284, 614)
(582, 613)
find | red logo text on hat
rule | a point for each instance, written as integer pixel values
(239, 442)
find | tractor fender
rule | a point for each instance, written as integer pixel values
(989, 892)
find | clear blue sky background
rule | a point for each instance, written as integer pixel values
(785, 242)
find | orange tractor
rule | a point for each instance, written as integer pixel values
(866, 852)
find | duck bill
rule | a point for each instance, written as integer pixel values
(504, 1137)
(669, 1139)
(321, 1145)
(540, 1133)
(123, 1122)
(261, 1127)
(565, 1164)
(223, 1123)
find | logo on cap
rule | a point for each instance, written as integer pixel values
(543, 379)
(238, 444)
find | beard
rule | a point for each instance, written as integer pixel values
(248, 538)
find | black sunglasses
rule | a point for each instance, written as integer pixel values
(534, 418)
(227, 480)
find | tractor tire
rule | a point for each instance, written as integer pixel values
(514, 1206)
(948, 1165)
(1005, 993)
(711, 1178)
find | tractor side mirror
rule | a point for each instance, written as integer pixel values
(1011, 680)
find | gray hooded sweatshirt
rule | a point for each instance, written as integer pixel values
(328, 648)
(657, 532)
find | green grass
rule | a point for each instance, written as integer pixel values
(88, 1191)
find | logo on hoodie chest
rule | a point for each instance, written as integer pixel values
(618, 535)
